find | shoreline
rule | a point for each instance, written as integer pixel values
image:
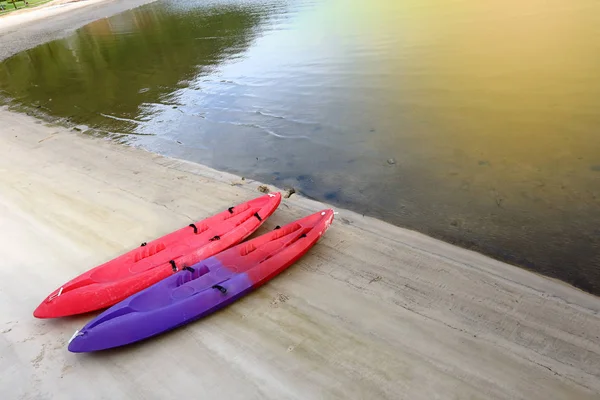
(403, 312)
(372, 311)
(49, 3)
(49, 21)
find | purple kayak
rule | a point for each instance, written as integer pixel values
(203, 288)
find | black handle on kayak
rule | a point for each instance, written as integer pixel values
(220, 288)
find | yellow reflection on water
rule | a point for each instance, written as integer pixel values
(492, 111)
(503, 94)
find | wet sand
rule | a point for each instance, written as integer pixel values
(373, 311)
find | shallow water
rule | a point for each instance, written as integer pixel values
(475, 122)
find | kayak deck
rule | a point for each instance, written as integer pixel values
(115, 280)
(202, 288)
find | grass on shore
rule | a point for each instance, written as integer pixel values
(9, 6)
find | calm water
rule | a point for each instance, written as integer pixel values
(476, 122)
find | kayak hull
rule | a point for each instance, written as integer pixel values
(140, 325)
(203, 288)
(117, 279)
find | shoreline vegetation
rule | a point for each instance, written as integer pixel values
(10, 6)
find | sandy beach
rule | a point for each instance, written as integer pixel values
(373, 311)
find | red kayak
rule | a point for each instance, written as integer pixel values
(114, 281)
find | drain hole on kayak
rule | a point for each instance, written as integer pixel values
(148, 251)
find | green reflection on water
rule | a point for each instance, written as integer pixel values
(113, 66)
